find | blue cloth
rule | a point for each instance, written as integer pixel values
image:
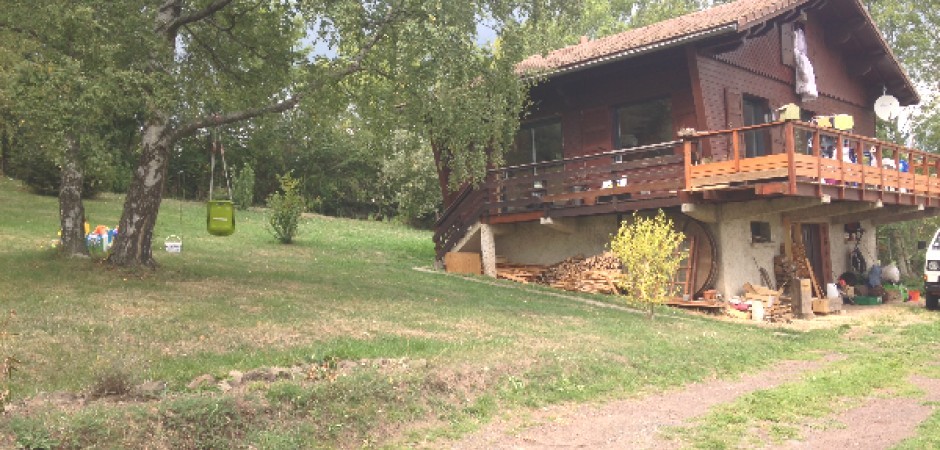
(874, 276)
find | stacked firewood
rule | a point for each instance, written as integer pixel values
(777, 307)
(597, 274)
(524, 274)
(785, 271)
(781, 311)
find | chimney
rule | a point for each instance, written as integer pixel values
(584, 39)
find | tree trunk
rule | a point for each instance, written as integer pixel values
(901, 253)
(71, 208)
(132, 246)
(5, 144)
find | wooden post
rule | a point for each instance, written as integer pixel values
(881, 172)
(860, 160)
(791, 163)
(817, 154)
(840, 153)
(803, 300)
(897, 167)
(735, 152)
(687, 150)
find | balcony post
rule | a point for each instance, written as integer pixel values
(791, 151)
(817, 154)
(687, 161)
(735, 153)
(840, 153)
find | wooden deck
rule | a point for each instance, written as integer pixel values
(798, 159)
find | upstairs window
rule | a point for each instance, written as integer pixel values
(644, 123)
(537, 142)
(756, 111)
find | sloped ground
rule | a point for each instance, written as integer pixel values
(883, 417)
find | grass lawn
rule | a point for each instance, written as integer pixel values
(386, 355)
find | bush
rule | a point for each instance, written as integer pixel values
(243, 192)
(649, 249)
(285, 209)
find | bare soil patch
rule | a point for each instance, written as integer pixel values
(633, 423)
(879, 423)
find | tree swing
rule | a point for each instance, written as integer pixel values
(220, 214)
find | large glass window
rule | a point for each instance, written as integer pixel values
(537, 142)
(756, 111)
(644, 123)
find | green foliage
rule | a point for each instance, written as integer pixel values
(649, 248)
(32, 434)
(285, 209)
(204, 422)
(247, 303)
(8, 363)
(409, 185)
(243, 187)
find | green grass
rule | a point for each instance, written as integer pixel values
(344, 291)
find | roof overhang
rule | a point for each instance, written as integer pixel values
(721, 30)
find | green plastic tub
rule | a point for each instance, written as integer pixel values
(867, 300)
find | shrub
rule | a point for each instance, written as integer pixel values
(649, 248)
(244, 187)
(285, 208)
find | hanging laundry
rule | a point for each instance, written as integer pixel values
(805, 75)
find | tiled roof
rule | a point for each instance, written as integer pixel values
(735, 16)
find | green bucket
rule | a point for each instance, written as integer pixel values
(220, 217)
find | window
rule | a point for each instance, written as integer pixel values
(756, 111)
(644, 123)
(760, 232)
(537, 142)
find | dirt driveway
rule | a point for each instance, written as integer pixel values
(878, 422)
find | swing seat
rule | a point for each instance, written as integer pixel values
(220, 217)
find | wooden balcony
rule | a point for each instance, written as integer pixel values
(804, 160)
(770, 160)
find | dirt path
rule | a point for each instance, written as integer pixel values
(879, 423)
(631, 423)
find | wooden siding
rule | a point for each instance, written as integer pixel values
(586, 101)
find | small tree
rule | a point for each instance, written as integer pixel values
(244, 187)
(649, 248)
(285, 208)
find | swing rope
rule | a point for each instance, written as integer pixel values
(218, 147)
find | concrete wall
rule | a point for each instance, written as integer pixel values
(739, 258)
(535, 243)
(839, 248)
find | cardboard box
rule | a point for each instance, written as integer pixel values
(463, 262)
(821, 306)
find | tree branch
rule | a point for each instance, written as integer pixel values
(212, 8)
(352, 67)
(238, 116)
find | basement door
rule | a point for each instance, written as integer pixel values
(815, 239)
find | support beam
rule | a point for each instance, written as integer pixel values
(915, 215)
(843, 32)
(488, 250)
(558, 224)
(772, 206)
(873, 215)
(701, 212)
(824, 212)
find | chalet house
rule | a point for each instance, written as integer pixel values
(682, 116)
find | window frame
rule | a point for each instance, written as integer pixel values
(532, 126)
(618, 132)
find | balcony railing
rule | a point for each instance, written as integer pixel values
(597, 181)
(789, 158)
(859, 167)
